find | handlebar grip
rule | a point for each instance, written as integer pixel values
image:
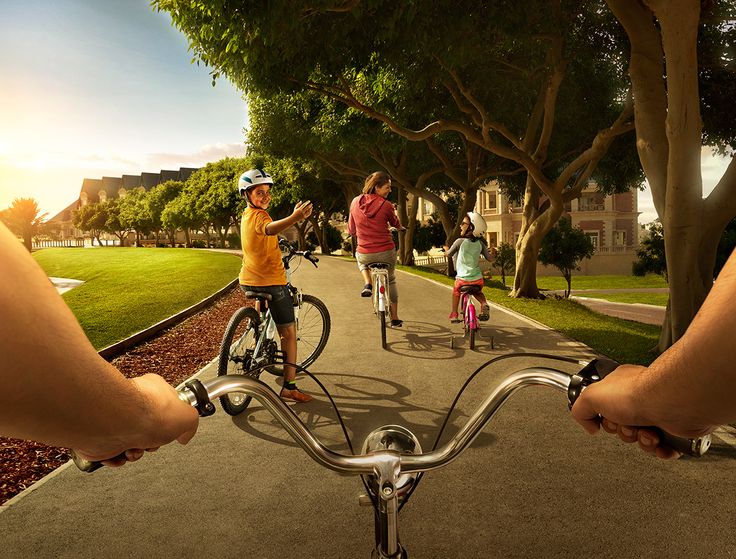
(89, 466)
(597, 370)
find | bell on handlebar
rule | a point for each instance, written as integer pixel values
(400, 439)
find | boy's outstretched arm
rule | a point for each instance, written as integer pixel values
(301, 212)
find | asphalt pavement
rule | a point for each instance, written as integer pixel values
(533, 484)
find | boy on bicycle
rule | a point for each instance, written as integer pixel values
(469, 248)
(262, 268)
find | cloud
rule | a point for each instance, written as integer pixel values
(199, 158)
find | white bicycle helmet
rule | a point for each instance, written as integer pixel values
(478, 223)
(253, 178)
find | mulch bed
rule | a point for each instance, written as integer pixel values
(175, 354)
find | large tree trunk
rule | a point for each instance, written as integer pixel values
(669, 142)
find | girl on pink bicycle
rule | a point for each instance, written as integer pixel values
(468, 248)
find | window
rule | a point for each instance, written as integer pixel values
(592, 201)
(491, 200)
(593, 236)
(619, 238)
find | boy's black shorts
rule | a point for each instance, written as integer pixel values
(280, 304)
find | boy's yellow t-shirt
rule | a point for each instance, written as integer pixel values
(262, 263)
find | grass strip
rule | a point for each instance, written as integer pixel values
(129, 289)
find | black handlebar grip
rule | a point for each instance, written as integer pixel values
(597, 370)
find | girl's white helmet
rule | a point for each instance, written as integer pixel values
(478, 223)
(253, 178)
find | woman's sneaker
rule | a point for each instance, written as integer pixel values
(485, 313)
(453, 317)
(367, 290)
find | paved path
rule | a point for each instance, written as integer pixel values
(532, 485)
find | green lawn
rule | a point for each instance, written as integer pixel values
(645, 298)
(129, 289)
(622, 340)
(600, 282)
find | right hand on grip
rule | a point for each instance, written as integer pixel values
(596, 371)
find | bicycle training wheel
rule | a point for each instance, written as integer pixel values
(236, 352)
(312, 331)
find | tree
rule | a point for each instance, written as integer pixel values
(564, 247)
(158, 197)
(505, 260)
(91, 218)
(562, 103)
(651, 253)
(135, 214)
(725, 247)
(213, 191)
(115, 224)
(676, 56)
(23, 218)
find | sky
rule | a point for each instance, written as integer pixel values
(93, 88)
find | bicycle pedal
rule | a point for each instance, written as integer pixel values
(364, 500)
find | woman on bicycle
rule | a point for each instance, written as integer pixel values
(262, 268)
(371, 216)
(469, 248)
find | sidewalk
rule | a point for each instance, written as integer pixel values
(532, 485)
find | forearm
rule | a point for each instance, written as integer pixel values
(699, 368)
(276, 227)
(55, 387)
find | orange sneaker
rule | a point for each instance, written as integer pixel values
(295, 395)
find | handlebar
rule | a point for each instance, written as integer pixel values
(200, 394)
(292, 252)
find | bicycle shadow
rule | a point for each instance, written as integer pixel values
(362, 411)
(430, 341)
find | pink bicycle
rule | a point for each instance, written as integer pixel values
(470, 316)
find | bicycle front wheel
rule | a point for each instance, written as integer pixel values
(236, 354)
(312, 330)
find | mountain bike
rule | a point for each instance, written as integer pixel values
(470, 316)
(381, 296)
(251, 340)
(392, 463)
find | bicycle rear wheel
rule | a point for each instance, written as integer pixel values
(236, 353)
(471, 323)
(382, 319)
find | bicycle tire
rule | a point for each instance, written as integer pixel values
(382, 319)
(240, 336)
(313, 329)
(312, 333)
(471, 323)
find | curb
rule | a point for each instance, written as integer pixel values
(117, 348)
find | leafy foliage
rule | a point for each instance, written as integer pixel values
(651, 254)
(23, 218)
(564, 247)
(505, 260)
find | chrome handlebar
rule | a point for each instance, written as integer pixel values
(200, 394)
